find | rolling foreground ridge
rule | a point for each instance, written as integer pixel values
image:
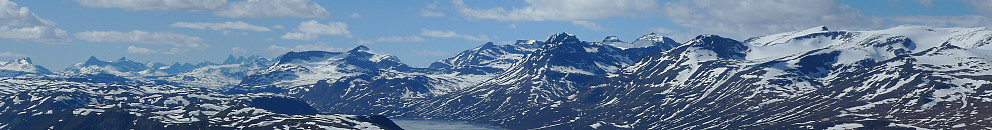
(902, 77)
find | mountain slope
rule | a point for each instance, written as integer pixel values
(539, 82)
(874, 79)
(20, 67)
(39, 104)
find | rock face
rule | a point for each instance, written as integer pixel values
(41, 104)
(21, 66)
(903, 77)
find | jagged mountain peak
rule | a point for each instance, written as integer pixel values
(526, 42)
(611, 39)
(122, 59)
(21, 66)
(563, 37)
(723, 47)
(25, 60)
(93, 61)
(359, 48)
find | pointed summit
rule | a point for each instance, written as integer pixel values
(94, 61)
(122, 59)
(611, 39)
(563, 37)
(25, 60)
(92, 58)
(723, 47)
(359, 48)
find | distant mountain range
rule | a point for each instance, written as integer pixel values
(902, 77)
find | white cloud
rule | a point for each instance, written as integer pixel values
(926, 3)
(11, 14)
(237, 25)
(310, 30)
(355, 15)
(12, 55)
(428, 13)
(428, 53)
(240, 9)
(278, 26)
(746, 18)
(513, 26)
(984, 7)
(276, 50)
(588, 25)
(299, 36)
(393, 39)
(139, 50)
(943, 21)
(273, 8)
(452, 34)
(20, 24)
(43, 34)
(238, 50)
(175, 51)
(137, 36)
(561, 10)
(663, 30)
(184, 5)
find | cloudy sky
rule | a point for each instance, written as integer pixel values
(58, 33)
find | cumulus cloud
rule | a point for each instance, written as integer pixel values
(139, 50)
(175, 51)
(12, 55)
(11, 14)
(926, 3)
(20, 24)
(943, 21)
(184, 5)
(238, 50)
(276, 50)
(393, 39)
(237, 25)
(588, 25)
(428, 53)
(355, 15)
(746, 18)
(43, 34)
(310, 30)
(429, 13)
(452, 34)
(241, 9)
(561, 10)
(274, 8)
(137, 36)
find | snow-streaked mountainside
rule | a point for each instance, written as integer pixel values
(309, 67)
(542, 79)
(20, 66)
(903, 77)
(816, 78)
(225, 75)
(52, 104)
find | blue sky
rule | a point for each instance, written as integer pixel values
(58, 33)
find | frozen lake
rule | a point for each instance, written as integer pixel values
(426, 124)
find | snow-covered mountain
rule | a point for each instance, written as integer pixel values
(648, 40)
(903, 77)
(541, 80)
(225, 75)
(28, 103)
(121, 67)
(20, 66)
(306, 68)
